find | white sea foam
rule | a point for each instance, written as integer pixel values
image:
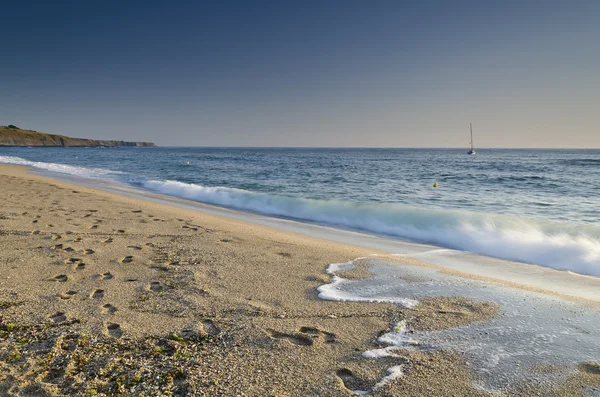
(561, 246)
(393, 373)
(334, 292)
(60, 168)
(397, 338)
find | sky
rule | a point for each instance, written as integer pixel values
(327, 73)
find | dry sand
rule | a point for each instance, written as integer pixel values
(102, 294)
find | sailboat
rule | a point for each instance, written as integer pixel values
(472, 150)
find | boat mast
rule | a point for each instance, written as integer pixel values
(471, 126)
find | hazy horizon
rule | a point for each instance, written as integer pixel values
(335, 74)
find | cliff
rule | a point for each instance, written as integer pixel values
(14, 136)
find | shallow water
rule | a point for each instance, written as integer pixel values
(531, 328)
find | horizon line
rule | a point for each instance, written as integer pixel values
(376, 147)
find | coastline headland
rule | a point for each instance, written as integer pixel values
(13, 136)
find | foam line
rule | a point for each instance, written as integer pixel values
(333, 292)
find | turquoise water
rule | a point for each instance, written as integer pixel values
(534, 206)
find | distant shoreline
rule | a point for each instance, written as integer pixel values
(126, 144)
(13, 136)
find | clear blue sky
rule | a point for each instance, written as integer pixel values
(306, 73)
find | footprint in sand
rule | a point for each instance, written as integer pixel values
(98, 294)
(210, 327)
(109, 309)
(61, 277)
(306, 336)
(34, 221)
(108, 240)
(155, 286)
(80, 266)
(57, 247)
(107, 276)
(130, 280)
(77, 240)
(149, 244)
(127, 259)
(114, 330)
(69, 249)
(592, 368)
(88, 251)
(58, 317)
(70, 261)
(134, 247)
(136, 211)
(120, 231)
(350, 381)
(297, 339)
(68, 294)
(327, 336)
(206, 327)
(93, 227)
(35, 232)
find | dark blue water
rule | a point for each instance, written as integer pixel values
(539, 206)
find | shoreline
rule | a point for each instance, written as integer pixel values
(557, 244)
(99, 270)
(533, 277)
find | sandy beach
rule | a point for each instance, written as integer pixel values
(104, 294)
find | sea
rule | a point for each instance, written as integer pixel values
(534, 206)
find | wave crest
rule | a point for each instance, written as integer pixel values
(557, 245)
(60, 168)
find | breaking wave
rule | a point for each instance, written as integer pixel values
(564, 246)
(60, 168)
(557, 245)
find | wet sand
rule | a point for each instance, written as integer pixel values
(104, 294)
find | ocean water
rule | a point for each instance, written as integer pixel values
(533, 206)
